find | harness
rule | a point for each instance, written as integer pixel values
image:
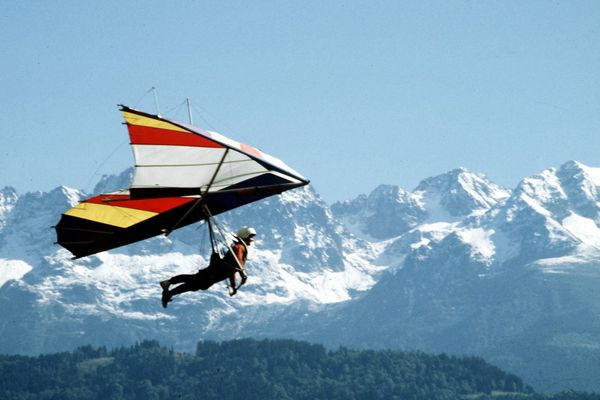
(229, 263)
(229, 256)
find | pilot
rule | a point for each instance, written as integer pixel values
(218, 270)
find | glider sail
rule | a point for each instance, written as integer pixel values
(178, 167)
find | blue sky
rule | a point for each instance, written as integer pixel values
(350, 93)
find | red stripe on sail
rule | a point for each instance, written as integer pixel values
(157, 205)
(158, 136)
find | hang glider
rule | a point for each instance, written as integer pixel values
(183, 174)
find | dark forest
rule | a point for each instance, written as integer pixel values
(250, 369)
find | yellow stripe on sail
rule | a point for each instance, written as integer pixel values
(117, 216)
(140, 120)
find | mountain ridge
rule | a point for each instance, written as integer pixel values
(458, 265)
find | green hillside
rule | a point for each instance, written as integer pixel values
(249, 369)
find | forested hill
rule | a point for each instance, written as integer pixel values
(250, 369)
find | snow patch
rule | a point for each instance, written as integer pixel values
(472, 182)
(12, 270)
(431, 202)
(480, 241)
(544, 187)
(582, 228)
(73, 195)
(592, 173)
(356, 228)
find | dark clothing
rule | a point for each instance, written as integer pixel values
(217, 270)
(203, 279)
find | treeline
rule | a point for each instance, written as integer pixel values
(257, 370)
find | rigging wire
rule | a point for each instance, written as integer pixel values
(103, 163)
(219, 229)
(152, 89)
(203, 236)
(176, 110)
(240, 137)
(201, 113)
(226, 129)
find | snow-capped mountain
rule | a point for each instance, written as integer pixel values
(387, 212)
(457, 265)
(302, 254)
(390, 211)
(514, 280)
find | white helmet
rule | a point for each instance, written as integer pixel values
(245, 232)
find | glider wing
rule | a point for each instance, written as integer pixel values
(177, 168)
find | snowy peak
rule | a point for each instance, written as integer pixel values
(113, 183)
(581, 172)
(553, 212)
(386, 212)
(557, 193)
(8, 195)
(28, 230)
(389, 211)
(458, 194)
(8, 199)
(548, 215)
(581, 185)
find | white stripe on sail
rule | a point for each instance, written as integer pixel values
(156, 155)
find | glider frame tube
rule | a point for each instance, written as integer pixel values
(201, 198)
